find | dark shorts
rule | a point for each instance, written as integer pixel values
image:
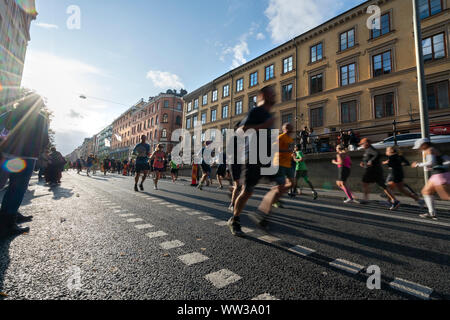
(343, 174)
(159, 169)
(236, 171)
(222, 170)
(206, 169)
(174, 171)
(374, 175)
(252, 176)
(395, 177)
(142, 167)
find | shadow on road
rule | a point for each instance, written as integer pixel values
(4, 262)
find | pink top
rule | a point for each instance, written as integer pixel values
(346, 162)
(158, 162)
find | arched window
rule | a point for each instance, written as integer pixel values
(164, 133)
(165, 118)
(151, 136)
(152, 122)
(157, 118)
(156, 134)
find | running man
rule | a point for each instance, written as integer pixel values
(258, 119)
(301, 172)
(439, 181)
(89, 164)
(206, 168)
(344, 164)
(235, 171)
(222, 172)
(142, 150)
(374, 173)
(158, 158)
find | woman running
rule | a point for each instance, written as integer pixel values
(395, 178)
(344, 164)
(439, 182)
(158, 163)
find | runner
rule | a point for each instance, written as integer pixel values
(396, 175)
(439, 182)
(258, 119)
(106, 165)
(222, 169)
(235, 171)
(174, 170)
(89, 164)
(94, 165)
(142, 150)
(344, 164)
(206, 168)
(301, 172)
(284, 178)
(158, 163)
(374, 173)
(79, 166)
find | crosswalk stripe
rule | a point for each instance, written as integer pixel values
(192, 258)
(247, 230)
(135, 220)
(222, 278)
(269, 239)
(303, 251)
(126, 215)
(411, 288)
(221, 223)
(348, 266)
(171, 244)
(143, 226)
(265, 296)
(156, 234)
(192, 213)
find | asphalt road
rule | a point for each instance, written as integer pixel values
(95, 238)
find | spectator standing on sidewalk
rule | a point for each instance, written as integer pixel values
(20, 149)
(353, 140)
(304, 138)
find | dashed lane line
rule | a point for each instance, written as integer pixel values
(411, 288)
(126, 215)
(156, 234)
(264, 296)
(221, 223)
(347, 266)
(135, 220)
(171, 244)
(303, 251)
(222, 278)
(143, 226)
(192, 258)
(206, 218)
(269, 239)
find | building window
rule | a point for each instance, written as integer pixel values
(348, 74)
(385, 26)
(165, 118)
(225, 112)
(178, 121)
(204, 118)
(384, 105)
(205, 100)
(226, 90)
(157, 120)
(196, 104)
(429, 7)
(316, 83)
(287, 92)
(194, 121)
(188, 123)
(254, 79)
(213, 115)
(166, 103)
(214, 96)
(270, 74)
(287, 65)
(317, 117)
(252, 102)
(224, 132)
(164, 133)
(317, 52)
(152, 122)
(239, 85)
(189, 107)
(349, 112)
(382, 64)
(434, 47)
(238, 108)
(286, 118)
(347, 39)
(179, 106)
(438, 95)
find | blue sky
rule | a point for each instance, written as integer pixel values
(127, 50)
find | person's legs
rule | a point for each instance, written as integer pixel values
(443, 191)
(144, 176)
(219, 179)
(157, 177)
(401, 187)
(235, 193)
(366, 191)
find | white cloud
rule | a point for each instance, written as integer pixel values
(46, 25)
(239, 52)
(260, 36)
(289, 18)
(165, 80)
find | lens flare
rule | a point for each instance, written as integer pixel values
(1, 88)
(15, 165)
(27, 6)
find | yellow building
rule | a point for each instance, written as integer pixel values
(341, 75)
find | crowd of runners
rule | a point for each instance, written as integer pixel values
(291, 167)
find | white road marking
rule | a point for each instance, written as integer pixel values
(303, 251)
(411, 288)
(247, 230)
(205, 218)
(192, 213)
(192, 258)
(222, 278)
(116, 207)
(264, 296)
(143, 226)
(183, 209)
(126, 215)
(156, 234)
(348, 266)
(269, 239)
(173, 206)
(171, 244)
(221, 223)
(135, 220)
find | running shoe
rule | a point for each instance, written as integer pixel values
(428, 216)
(200, 187)
(231, 208)
(291, 195)
(141, 187)
(260, 220)
(395, 205)
(235, 227)
(278, 204)
(219, 187)
(315, 195)
(348, 200)
(136, 188)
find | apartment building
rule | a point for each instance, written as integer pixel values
(15, 22)
(340, 75)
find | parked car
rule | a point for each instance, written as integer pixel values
(408, 139)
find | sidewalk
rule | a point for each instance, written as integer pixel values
(338, 194)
